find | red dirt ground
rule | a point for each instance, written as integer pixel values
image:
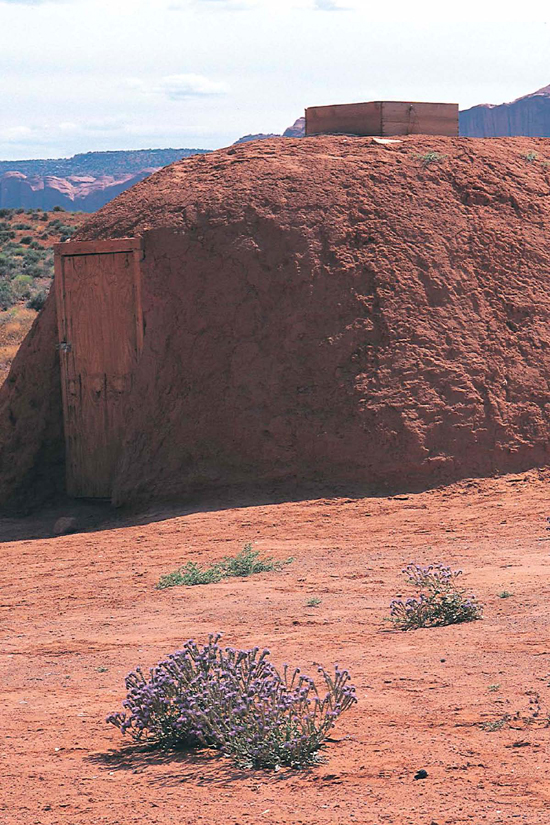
(80, 611)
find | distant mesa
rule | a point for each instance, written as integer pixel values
(527, 116)
(297, 130)
(260, 136)
(86, 194)
(84, 182)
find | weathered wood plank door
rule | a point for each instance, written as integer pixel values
(98, 297)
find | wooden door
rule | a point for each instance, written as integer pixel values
(98, 296)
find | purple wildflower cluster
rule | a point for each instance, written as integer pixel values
(439, 600)
(236, 702)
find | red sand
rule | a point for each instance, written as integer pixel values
(329, 309)
(80, 611)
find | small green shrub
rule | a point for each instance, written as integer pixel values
(21, 286)
(34, 270)
(7, 265)
(530, 157)
(190, 575)
(535, 715)
(245, 563)
(37, 300)
(33, 255)
(248, 562)
(438, 602)
(7, 298)
(496, 724)
(431, 157)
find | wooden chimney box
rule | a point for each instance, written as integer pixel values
(383, 118)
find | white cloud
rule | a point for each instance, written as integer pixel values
(218, 5)
(16, 134)
(105, 124)
(180, 86)
(337, 5)
(44, 133)
(265, 5)
(29, 2)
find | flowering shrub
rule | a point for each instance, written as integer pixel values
(235, 701)
(439, 601)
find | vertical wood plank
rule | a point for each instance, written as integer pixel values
(138, 257)
(59, 286)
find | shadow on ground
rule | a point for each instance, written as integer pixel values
(97, 515)
(203, 768)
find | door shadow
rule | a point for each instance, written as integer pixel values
(92, 515)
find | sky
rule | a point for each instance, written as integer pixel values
(89, 75)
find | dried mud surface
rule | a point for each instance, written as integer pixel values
(331, 309)
(79, 611)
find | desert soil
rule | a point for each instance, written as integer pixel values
(80, 611)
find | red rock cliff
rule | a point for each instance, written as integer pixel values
(528, 115)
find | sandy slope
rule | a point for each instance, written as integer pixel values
(78, 612)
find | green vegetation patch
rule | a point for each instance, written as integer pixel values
(429, 158)
(26, 256)
(245, 563)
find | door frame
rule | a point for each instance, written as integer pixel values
(89, 248)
